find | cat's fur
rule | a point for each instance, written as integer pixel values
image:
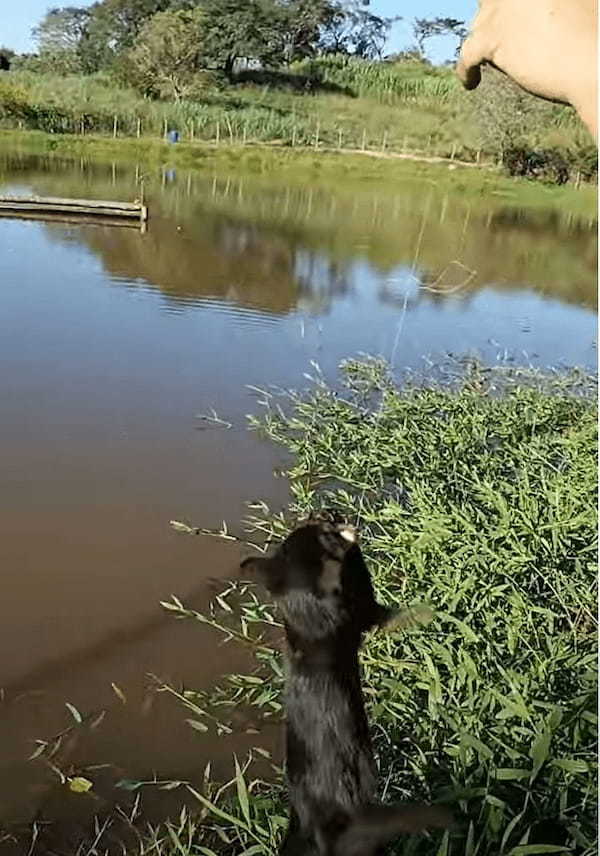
(323, 589)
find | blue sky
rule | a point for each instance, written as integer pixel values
(19, 16)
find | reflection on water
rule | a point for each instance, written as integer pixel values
(112, 341)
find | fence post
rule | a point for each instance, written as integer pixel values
(115, 126)
(293, 135)
(82, 126)
(244, 131)
(218, 132)
(317, 135)
(453, 153)
(339, 140)
(478, 158)
(364, 139)
(384, 141)
(192, 131)
(165, 129)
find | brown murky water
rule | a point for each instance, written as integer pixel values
(111, 343)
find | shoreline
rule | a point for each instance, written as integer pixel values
(307, 163)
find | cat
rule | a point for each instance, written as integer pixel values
(322, 587)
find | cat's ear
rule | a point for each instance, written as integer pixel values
(376, 825)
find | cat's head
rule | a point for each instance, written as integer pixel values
(320, 581)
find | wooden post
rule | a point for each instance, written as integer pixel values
(82, 126)
(578, 179)
(244, 132)
(293, 135)
(218, 132)
(115, 126)
(384, 141)
(139, 128)
(364, 139)
(165, 129)
(453, 153)
(478, 158)
(339, 140)
(317, 135)
(192, 130)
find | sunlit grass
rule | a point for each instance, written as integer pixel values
(478, 496)
(377, 107)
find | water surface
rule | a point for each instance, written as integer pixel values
(113, 341)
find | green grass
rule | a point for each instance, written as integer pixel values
(479, 498)
(379, 107)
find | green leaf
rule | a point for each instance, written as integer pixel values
(571, 765)
(216, 810)
(242, 791)
(532, 849)
(484, 752)
(197, 725)
(511, 774)
(539, 751)
(128, 785)
(80, 785)
(74, 712)
(119, 692)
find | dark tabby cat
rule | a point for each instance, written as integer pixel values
(323, 589)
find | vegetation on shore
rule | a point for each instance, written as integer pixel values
(424, 113)
(357, 170)
(299, 72)
(476, 493)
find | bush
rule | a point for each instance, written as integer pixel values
(545, 164)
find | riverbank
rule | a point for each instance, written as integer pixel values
(307, 164)
(474, 492)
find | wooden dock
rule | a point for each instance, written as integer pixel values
(72, 208)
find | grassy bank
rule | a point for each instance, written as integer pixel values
(382, 107)
(301, 165)
(478, 497)
(476, 493)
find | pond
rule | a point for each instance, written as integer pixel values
(115, 342)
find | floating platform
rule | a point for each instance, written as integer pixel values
(33, 206)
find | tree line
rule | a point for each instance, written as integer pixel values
(164, 47)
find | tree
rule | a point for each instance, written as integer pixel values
(6, 57)
(59, 36)
(113, 28)
(304, 22)
(356, 30)
(243, 29)
(425, 28)
(166, 55)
